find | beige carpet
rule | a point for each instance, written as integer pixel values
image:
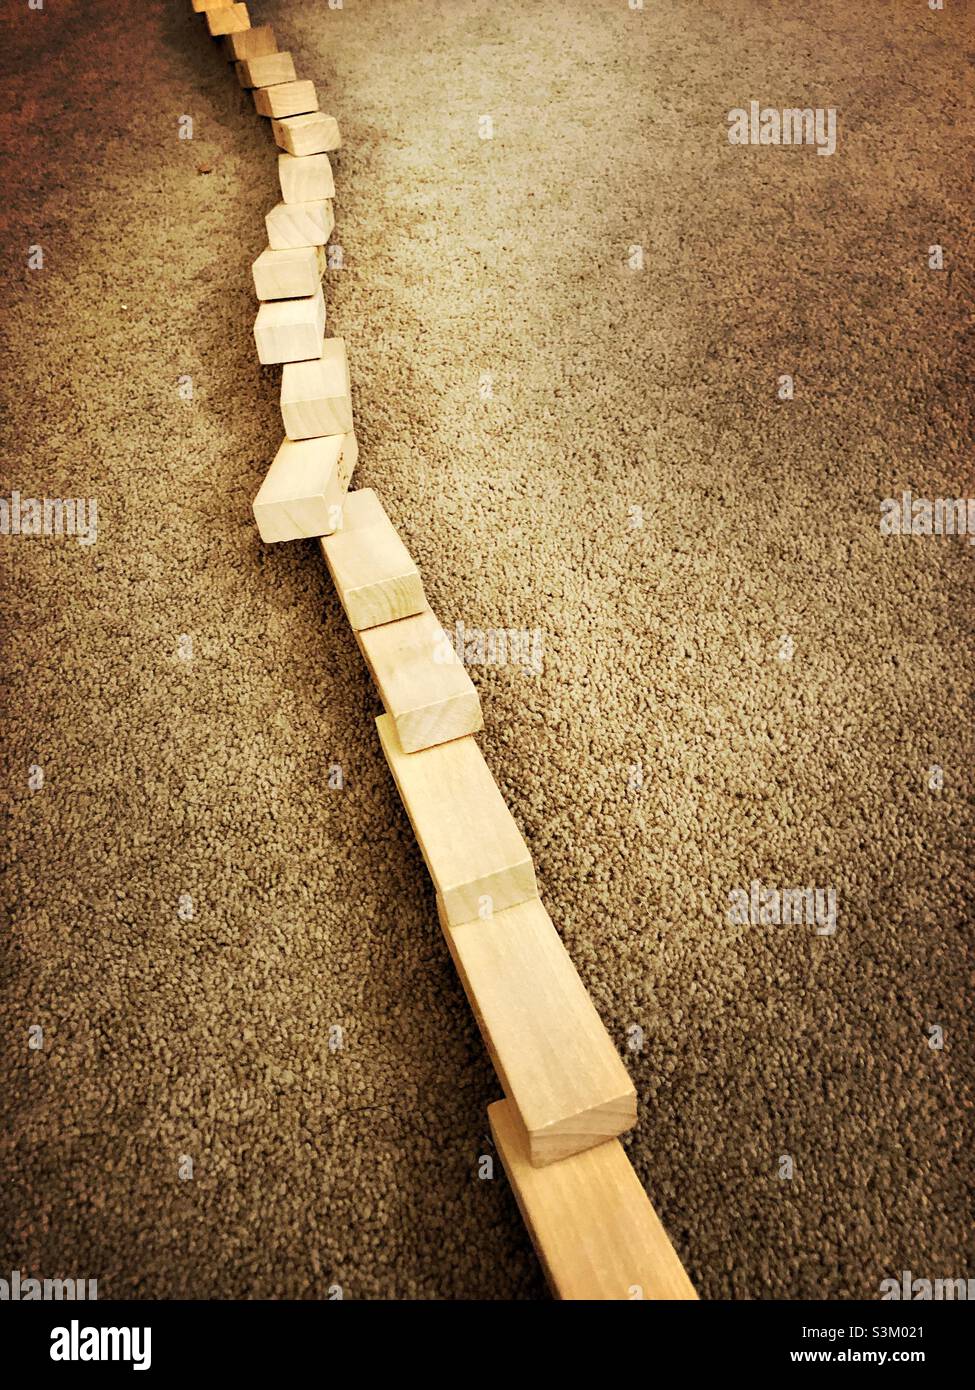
(751, 685)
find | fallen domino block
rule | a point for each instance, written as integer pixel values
(305, 178)
(264, 69)
(200, 5)
(423, 684)
(593, 1226)
(374, 576)
(250, 43)
(299, 224)
(314, 133)
(288, 274)
(290, 330)
(548, 1044)
(228, 19)
(316, 397)
(472, 847)
(286, 99)
(301, 495)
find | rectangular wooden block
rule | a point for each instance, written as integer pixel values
(290, 330)
(286, 99)
(422, 682)
(302, 494)
(372, 570)
(299, 224)
(316, 397)
(265, 69)
(473, 849)
(314, 133)
(548, 1044)
(305, 178)
(201, 5)
(250, 43)
(288, 274)
(228, 19)
(593, 1226)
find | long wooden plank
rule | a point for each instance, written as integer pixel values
(423, 684)
(373, 573)
(474, 851)
(593, 1226)
(549, 1046)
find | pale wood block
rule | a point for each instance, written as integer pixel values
(286, 99)
(228, 19)
(264, 69)
(473, 849)
(291, 273)
(592, 1225)
(314, 133)
(250, 43)
(200, 5)
(423, 684)
(548, 1044)
(290, 330)
(371, 568)
(316, 397)
(305, 178)
(299, 224)
(302, 494)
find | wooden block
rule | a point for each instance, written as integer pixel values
(302, 494)
(264, 69)
(473, 849)
(371, 568)
(299, 224)
(305, 178)
(286, 99)
(250, 43)
(548, 1044)
(201, 5)
(315, 133)
(592, 1224)
(316, 397)
(290, 330)
(288, 274)
(422, 682)
(228, 19)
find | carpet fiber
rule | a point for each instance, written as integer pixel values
(235, 961)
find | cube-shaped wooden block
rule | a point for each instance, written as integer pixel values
(229, 19)
(265, 69)
(290, 330)
(314, 133)
(250, 43)
(299, 224)
(289, 274)
(286, 99)
(316, 397)
(305, 178)
(201, 5)
(372, 570)
(302, 493)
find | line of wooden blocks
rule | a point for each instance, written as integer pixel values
(568, 1093)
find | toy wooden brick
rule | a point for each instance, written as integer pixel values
(228, 19)
(550, 1049)
(288, 274)
(596, 1233)
(290, 330)
(305, 178)
(286, 99)
(316, 397)
(423, 684)
(250, 43)
(314, 133)
(265, 69)
(373, 573)
(473, 849)
(299, 224)
(302, 494)
(201, 5)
